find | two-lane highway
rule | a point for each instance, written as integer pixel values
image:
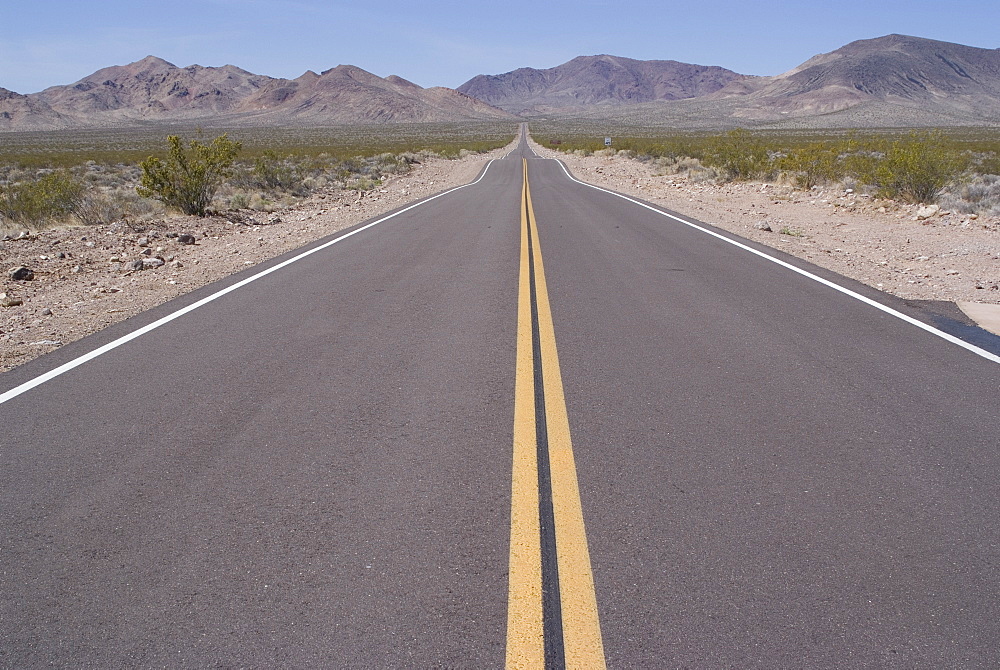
(524, 420)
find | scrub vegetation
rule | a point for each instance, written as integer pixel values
(957, 168)
(188, 178)
(98, 177)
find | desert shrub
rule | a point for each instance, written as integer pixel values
(684, 165)
(51, 196)
(137, 206)
(363, 184)
(687, 165)
(665, 165)
(700, 173)
(262, 203)
(365, 172)
(97, 207)
(393, 164)
(188, 178)
(271, 173)
(98, 175)
(239, 201)
(987, 163)
(915, 168)
(347, 168)
(316, 182)
(813, 164)
(979, 194)
(738, 155)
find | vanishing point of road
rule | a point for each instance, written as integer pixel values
(526, 422)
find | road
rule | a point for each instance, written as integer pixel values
(524, 422)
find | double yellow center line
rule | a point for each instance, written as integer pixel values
(552, 608)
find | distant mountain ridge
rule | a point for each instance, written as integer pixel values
(596, 80)
(895, 69)
(20, 110)
(891, 80)
(896, 80)
(154, 90)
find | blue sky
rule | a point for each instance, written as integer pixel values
(445, 43)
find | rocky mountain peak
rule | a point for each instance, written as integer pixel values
(596, 80)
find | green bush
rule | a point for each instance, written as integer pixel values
(915, 168)
(739, 155)
(188, 178)
(35, 202)
(813, 164)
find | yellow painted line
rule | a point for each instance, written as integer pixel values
(582, 641)
(525, 640)
(581, 625)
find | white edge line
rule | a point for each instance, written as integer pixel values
(76, 362)
(805, 273)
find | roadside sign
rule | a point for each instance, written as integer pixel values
(607, 141)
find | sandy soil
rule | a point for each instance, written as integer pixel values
(881, 243)
(83, 279)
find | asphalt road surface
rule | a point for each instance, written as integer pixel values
(375, 456)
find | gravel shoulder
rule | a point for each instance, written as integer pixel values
(83, 277)
(888, 245)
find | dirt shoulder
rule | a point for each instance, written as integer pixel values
(84, 278)
(884, 244)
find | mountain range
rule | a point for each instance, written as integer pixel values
(895, 80)
(596, 80)
(153, 90)
(898, 70)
